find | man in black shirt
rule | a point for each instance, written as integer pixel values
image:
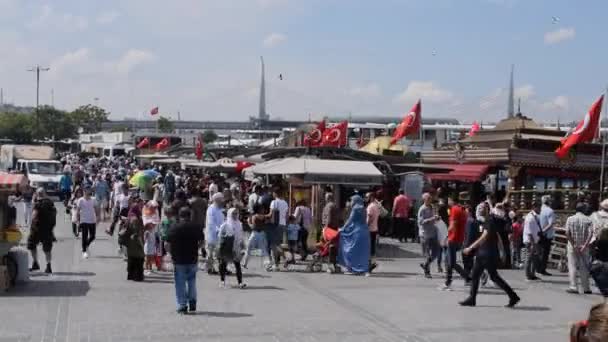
(184, 239)
(486, 258)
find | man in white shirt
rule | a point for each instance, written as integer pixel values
(87, 218)
(213, 189)
(279, 214)
(531, 230)
(254, 199)
(120, 206)
(214, 220)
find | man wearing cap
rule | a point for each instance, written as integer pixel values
(600, 218)
(547, 221)
(43, 222)
(214, 220)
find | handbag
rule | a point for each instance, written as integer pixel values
(542, 238)
(226, 250)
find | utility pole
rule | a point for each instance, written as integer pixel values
(37, 70)
(53, 98)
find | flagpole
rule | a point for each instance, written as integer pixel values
(603, 166)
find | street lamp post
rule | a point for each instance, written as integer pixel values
(37, 70)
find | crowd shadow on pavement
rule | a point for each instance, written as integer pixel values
(107, 257)
(255, 275)
(264, 287)
(555, 281)
(393, 274)
(49, 288)
(393, 251)
(66, 274)
(221, 314)
(519, 307)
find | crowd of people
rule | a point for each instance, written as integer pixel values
(176, 220)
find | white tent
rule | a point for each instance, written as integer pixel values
(323, 171)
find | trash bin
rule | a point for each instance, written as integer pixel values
(22, 257)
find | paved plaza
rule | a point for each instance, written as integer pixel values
(91, 300)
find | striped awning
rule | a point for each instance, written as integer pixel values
(12, 182)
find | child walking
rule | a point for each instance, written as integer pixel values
(293, 232)
(149, 248)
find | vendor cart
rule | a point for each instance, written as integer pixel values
(10, 236)
(6, 259)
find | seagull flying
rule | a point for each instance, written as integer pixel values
(555, 19)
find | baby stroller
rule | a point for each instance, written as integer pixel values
(329, 244)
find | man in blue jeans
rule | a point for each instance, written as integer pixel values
(184, 239)
(456, 233)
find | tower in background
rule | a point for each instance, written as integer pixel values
(511, 105)
(262, 115)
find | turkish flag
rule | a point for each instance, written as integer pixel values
(336, 135)
(242, 165)
(199, 148)
(410, 123)
(474, 128)
(154, 111)
(315, 137)
(585, 131)
(143, 143)
(163, 144)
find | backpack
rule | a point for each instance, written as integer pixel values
(48, 213)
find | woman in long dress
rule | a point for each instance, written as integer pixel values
(354, 247)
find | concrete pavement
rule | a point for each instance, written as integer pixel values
(91, 300)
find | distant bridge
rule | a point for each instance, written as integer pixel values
(253, 123)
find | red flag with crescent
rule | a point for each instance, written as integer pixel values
(585, 131)
(163, 144)
(410, 123)
(474, 128)
(336, 135)
(315, 137)
(143, 143)
(199, 148)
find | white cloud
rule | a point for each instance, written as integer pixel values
(524, 92)
(133, 58)
(368, 91)
(559, 35)
(560, 102)
(69, 60)
(47, 18)
(274, 39)
(425, 90)
(107, 17)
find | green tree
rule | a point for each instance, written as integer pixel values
(16, 127)
(164, 125)
(209, 136)
(89, 118)
(52, 123)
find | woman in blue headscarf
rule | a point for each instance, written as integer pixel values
(354, 247)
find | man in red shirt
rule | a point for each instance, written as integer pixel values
(401, 211)
(456, 230)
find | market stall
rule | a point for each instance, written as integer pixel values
(10, 235)
(309, 179)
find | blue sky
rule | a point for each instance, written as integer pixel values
(337, 56)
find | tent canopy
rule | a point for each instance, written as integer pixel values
(461, 172)
(323, 170)
(10, 182)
